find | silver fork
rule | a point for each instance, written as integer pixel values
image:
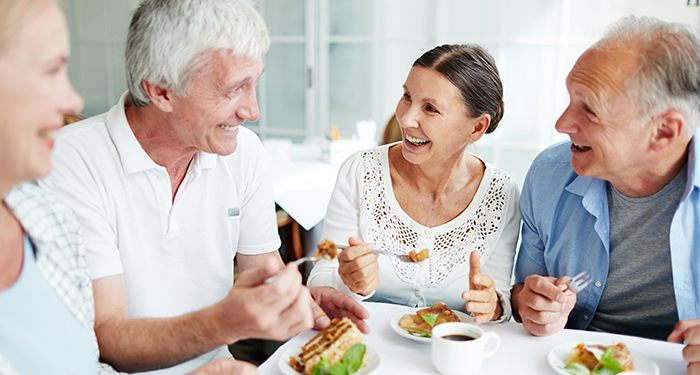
(401, 257)
(297, 262)
(579, 282)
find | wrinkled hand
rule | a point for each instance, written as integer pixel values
(688, 331)
(274, 311)
(226, 366)
(482, 297)
(334, 304)
(358, 267)
(543, 305)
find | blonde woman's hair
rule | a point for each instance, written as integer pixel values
(14, 14)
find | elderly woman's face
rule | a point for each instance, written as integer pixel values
(34, 95)
(434, 121)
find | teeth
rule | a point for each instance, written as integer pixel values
(581, 148)
(228, 128)
(49, 133)
(416, 141)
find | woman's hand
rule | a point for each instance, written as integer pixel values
(358, 267)
(482, 298)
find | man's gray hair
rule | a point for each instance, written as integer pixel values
(168, 41)
(667, 74)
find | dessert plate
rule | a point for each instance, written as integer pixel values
(373, 361)
(558, 357)
(394, 323)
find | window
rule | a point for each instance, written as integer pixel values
(340, 62)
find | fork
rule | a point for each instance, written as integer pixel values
(579, 282)
(297, 262)
(400, 257)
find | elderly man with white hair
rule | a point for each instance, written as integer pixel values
(169, 187)
(621, 199)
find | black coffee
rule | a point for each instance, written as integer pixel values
(458, 337)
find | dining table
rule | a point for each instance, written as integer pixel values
(519, 352)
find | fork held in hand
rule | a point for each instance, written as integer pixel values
(579, 282)
(297, 262)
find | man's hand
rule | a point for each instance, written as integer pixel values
(226, 366)
(331, 304)
(688, 331)
(275, 311)
(358, 267)
(482, 298)
(542, 304)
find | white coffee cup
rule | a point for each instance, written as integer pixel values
(464, 348)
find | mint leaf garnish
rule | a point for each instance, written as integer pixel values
(577, 369)
(422, 334)
(352, 360)
(609, 362)
(430, 319)
(353, 357)
(603, 371)
(339, 368)
(322, 368)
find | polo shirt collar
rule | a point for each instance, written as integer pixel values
(133, 157)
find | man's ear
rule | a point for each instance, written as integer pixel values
(670, 127)
(159, 96)
(481, 124)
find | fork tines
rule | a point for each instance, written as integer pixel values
(579, 282)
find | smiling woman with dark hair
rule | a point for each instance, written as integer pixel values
(427, 192)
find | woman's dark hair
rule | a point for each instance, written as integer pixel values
(472, 69)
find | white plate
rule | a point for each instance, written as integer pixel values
(394, 323)
(373, 361)
(560, 355)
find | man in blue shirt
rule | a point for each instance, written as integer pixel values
(621, 199)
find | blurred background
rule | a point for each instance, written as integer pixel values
(344, 61)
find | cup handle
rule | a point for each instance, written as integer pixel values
(494, 339)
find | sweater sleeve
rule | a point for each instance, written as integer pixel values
(341, 222)
(500, 264)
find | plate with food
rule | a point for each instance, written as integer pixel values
(417, 326)
(593, 358)
(338, 345)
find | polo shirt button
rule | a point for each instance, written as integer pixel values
(598, 284)
(585, 317)
(161, 176)
(418, 293)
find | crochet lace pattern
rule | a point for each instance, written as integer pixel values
(388, 232)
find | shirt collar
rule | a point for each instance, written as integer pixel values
(693, 153)
(133, 157)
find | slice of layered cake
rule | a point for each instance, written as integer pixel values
(331, 344)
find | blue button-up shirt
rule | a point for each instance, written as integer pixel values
(566, 230)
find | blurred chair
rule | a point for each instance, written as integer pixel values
(392, 131)
(290, 231)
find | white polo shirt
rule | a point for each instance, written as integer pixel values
(176, 257)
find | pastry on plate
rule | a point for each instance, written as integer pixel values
(329, 346)
(618, 359)
(422, 322)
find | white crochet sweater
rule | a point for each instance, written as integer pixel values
(363, 205)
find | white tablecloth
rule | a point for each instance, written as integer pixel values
(519, 353)
(303, 185)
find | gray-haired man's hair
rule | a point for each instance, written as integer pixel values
(168, 41)
(667, 74)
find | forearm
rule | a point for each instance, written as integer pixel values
(134, 345)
